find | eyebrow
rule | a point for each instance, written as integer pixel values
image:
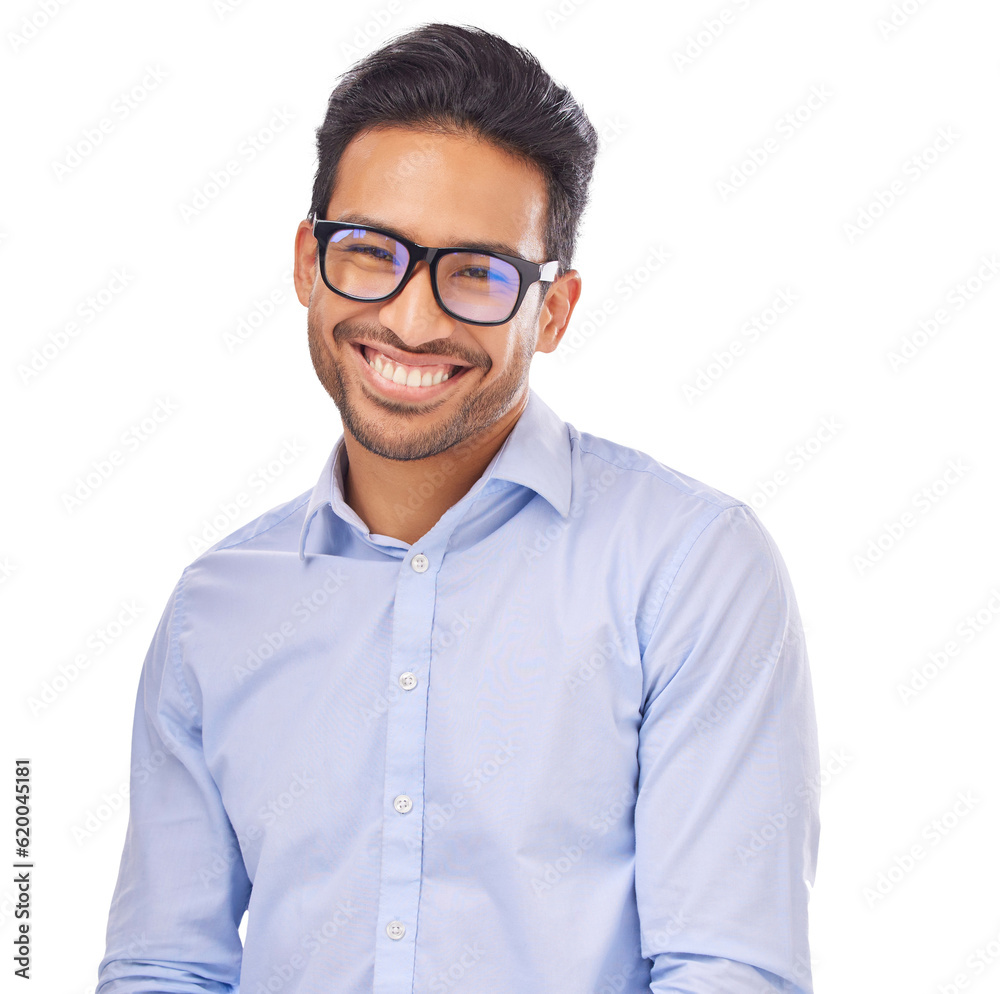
(373, 222)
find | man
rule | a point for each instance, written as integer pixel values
(498, 707)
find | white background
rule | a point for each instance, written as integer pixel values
(882, 96)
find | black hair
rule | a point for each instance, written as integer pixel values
(449, 78)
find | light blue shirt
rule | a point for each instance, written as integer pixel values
(565, 743)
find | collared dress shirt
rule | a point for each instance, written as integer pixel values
(564, 743)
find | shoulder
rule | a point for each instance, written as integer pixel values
(660, 516)
(642, 482)
(276, 530)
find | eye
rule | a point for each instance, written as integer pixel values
(371, 253)
(482, 274)
(476, 272)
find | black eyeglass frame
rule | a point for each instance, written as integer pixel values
(528, 272)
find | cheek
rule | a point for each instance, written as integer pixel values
(320, 326)
(325, 315)
(511, 360)
(514, 344)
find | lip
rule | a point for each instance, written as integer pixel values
(422, 359)
(400, 391)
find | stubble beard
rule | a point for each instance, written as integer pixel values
(394, 434)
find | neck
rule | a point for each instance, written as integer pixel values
(391, 496)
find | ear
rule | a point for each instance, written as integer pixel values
(304, 269)
(556, 310)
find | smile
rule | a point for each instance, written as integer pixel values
(407, 382)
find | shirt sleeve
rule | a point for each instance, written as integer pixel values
(182, 886)
(726, 816)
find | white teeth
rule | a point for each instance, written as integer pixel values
(389, 371)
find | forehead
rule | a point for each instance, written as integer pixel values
(442, 189)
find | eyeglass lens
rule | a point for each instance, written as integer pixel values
(473, 285)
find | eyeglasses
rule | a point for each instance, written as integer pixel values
(475, 287)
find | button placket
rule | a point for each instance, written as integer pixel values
(402, 831)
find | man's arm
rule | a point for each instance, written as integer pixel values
(726, 817)
(182, 886)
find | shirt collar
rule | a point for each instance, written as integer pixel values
(535, 454)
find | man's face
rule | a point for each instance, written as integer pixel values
(438, 190)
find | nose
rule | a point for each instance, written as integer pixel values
(413, 314)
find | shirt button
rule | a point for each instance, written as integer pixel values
(420, 563)
(402, 804)
(395, 930)
(407, 680)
